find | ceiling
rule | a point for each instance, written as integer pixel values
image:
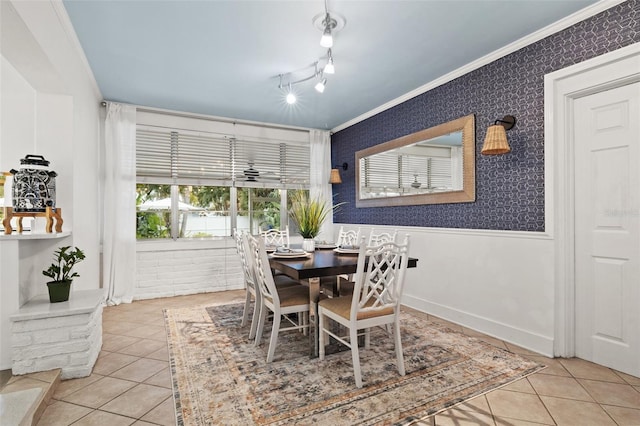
(223, 58)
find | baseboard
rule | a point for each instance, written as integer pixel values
(523, 338)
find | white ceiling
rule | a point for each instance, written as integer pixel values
(223, 58)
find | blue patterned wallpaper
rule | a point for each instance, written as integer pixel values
(509, 188)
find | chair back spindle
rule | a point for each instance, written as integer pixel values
(348, 238)
(276, 237)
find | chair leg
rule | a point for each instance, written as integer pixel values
(367, 338)
(355, 356)
(254, 320)
(274, 337)
(398, 343)
(305, 322)
(261, 321)
(245, 312)
(321, 334)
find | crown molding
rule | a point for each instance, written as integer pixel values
(550, 29)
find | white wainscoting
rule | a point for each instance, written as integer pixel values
(496, 282)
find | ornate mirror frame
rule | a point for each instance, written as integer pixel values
(468, 192)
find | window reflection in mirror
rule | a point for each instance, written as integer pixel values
(435, 165)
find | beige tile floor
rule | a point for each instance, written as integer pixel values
(131, 382)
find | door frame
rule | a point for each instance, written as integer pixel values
(561, 88)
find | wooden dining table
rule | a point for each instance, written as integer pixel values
(320, 263)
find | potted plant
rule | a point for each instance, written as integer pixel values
(61, 272)
(308, 214)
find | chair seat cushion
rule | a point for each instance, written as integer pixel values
(342, 307)
(293, 296)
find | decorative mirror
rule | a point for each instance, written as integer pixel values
(432, 166)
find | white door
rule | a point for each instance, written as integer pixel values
(607, 227)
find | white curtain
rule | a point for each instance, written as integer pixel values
(456, 167)
(320, 168)
(119, 232)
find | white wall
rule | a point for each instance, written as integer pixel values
(49, 105)
(173, 268)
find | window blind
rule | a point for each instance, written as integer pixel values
(197, 158)
(391, 172)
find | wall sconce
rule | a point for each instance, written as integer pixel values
(335, 173)
(496, 140)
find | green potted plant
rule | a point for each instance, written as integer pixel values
(308, 214)
(61, 272)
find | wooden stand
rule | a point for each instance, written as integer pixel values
(50, 214)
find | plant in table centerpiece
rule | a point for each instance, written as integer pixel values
(61, 272)
(308, 214)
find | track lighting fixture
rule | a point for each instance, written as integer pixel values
(329, 24)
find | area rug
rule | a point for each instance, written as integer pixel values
(220, 378)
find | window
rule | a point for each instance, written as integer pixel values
(197, 184)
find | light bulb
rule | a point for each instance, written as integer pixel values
(291, 98)
(329, 68)
(321, 85)
(327, 38)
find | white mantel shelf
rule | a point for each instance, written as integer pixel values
(30, 236)
(80, 302)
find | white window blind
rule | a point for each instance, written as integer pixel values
(195, 158)
(391, 172)
(440, 173)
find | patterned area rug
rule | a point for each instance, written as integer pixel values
(219, 378)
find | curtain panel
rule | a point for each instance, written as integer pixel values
(320, 152)
(119, 226)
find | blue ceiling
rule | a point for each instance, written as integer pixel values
(223, 58)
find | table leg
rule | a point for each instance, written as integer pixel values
(314, 297)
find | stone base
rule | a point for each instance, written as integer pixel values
(66, 335)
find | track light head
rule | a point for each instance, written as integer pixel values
(329, 68)
(327, 39)
(320, 85)
(291, 98)
(329, 24)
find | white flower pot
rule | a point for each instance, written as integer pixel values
(308, 245)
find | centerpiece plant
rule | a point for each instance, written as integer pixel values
(308, 214)
(61, 272)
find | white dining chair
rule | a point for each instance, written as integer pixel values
(246, 260)
(374, 302)
(250, 285)
(291, 303)
(343, 283)
(348, 237)
(377, 238)
(276, 237)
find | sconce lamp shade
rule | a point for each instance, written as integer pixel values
(496, 141)
(335, 176)
(335, 173)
